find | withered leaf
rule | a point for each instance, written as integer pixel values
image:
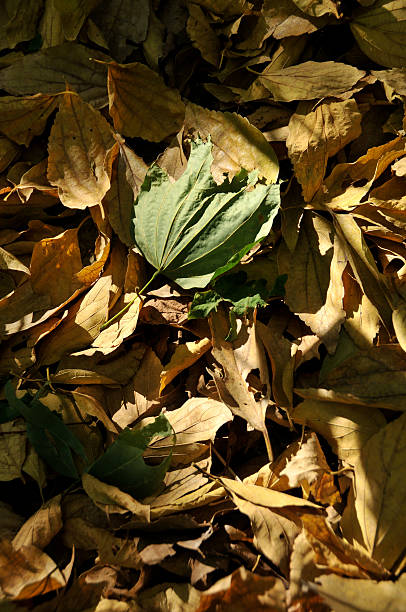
(79, 149)
(141, 104)
(26, 117)
(73, 14)
(310, 80)
(50, 71)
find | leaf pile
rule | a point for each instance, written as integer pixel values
(203, 305)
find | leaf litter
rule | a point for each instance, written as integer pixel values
(202, 308)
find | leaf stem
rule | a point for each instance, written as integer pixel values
(127, 306)
(268, 444)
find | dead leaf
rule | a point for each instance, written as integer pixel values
(50, 70)
(184, 356)
(135, 86)
(28, 572)
(40, 529)
(79, 161)
(237, 143)
(316, 135)
(26, 117)
(13, 452)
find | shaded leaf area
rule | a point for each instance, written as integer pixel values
(202, 305)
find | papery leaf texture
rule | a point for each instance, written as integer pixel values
(189, 229)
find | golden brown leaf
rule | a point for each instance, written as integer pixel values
(141, 104)
(184, 356)
(80, 146)
(26, 117)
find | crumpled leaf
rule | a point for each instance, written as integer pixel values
(192, 228)
(316, 135)
(317, 8)
(141, 104)
(184, 356)
(79, 149)
(380, 32)
(310, 80)
(123, 466)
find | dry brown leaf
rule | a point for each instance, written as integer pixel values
(26, 117)
(125, 184)
(82, 324)
(8, 151)
(347, 427)
(309, 80)
(316, 135)
(345, 595)
(40, 529)
(29, 572)
(232, 388)
(243, 590)
(80, 147)
(13, 452)
(46, 71)
(379, 492)
(202, 35)
(237, 143)
(112, 500)
(185, 355)
(309, 469)
(141, 104)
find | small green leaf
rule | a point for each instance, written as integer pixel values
(203, 304)
(123, 466)
(193, 230)
(48, 434)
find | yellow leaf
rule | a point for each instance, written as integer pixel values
(79, 148)
(184, 356)
(141, 105)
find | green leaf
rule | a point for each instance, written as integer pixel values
(235, 288)
(123, 466)
(48, 434)
(7, 412)
(190, 229)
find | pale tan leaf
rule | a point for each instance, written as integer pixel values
(236, 396)
(40, 529)
(345, 594)
(310, 80)
(316, 135)
(119, 330)
(273, 534)
(141, 104)
(9, 262)
(50, 70)
(184, 356)
(380, 32)
(112, 500)
(179, 597)
(399, 324)
(29, 572)
(380, 494)
(23, 118)
(82, 324)
(267, 498)
(79, 147)
(88, 405)
(237, 143)
(394, 78)
(346, 427)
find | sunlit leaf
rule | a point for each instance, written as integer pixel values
(189, 229)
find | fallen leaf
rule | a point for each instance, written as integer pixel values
(310, 80)
(28, 572)
(112, 500)
(79, 160)
(202, 35)
(12, 449)
(26, 117)
(184, 356)
(379, 494)
(316, 8)
(236, 143)
(316, 135)
(73, 14)
(134, 86)
(379, 31)
(48, 71)
(40, 529)
(346, 426)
